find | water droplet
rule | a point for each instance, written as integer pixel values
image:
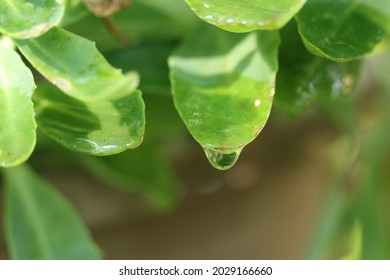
(207, 6)
(84, 145)
(244, 22)
(221, 161)
(229, 20)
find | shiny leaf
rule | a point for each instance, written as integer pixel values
(23, 19)
(40, 223)
(143, 170)
(223, 85)
(97, 128)
(344, 29)
(75, 66)
(17, 124)
(304, 78)
(246, 15)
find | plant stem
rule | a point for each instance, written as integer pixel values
(116, 32)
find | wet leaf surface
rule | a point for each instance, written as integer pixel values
(345, 29)
(97, 128)
(304, 79)
(246, 15)
(223, 85)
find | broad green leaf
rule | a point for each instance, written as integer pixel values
(17, 124)
(40, 223)
(246, 15)
(223, 85)
(344, 29)
(98, 128)
(304, 78)
(75, 66)
(23, 19)
(150, 61)
(143, 170)
(144, 21)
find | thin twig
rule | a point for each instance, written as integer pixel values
(114, 30)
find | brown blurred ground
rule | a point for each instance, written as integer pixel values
(264, 208)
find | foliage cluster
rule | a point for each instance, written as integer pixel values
(222, 61)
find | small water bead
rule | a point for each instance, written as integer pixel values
(229, 20)
(244, 22)
(220, 160)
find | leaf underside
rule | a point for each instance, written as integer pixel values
(97, 128)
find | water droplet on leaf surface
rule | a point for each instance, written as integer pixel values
(221, 161)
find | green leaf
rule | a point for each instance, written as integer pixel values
(304, 78)
(246, 15)
(75, 66)
(144, 21)
(40, 223)
(17, 124)
(345, 29)
(23, 19)
(223, 85)
(98, 128)
(143, 170)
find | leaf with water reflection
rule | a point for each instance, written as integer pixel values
(223, 85)
(97, 128)
(246, 15)
(304, 78)
(344, 29)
